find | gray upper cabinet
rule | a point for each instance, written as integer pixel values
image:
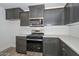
(51, 46)
(54, 16)
(67, 14)
(24, 18)
(13, 13)
(75, 11)
(36, 11)
(71, 13)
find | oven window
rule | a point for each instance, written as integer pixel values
(36, 46)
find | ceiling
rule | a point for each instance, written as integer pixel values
(24, 6)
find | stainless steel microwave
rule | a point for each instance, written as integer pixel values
(36, 22)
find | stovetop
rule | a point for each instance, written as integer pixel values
(35, 36)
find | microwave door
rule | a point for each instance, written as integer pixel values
(36, 22)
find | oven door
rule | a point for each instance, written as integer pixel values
(36, 46)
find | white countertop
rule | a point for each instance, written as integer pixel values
(71, 41)
(22, 34)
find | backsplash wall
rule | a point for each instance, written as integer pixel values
(56, 30)
(74, 29)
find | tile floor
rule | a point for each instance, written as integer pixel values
(12, 52)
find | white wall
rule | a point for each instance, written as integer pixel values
(74, 29)
(13, 30)
(4, 35)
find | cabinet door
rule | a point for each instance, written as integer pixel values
(24, 19)
(67, 51)
(75, 8)
(21, 44)
(9, 14)
(36, 11)
(71, 12)
(54, 16)
(67, 14)
(51, 47)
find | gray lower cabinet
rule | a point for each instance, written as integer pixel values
(21, 44)
(24, 18)
(67, 51)
(54, 16)
(51, 47)
(13, 13)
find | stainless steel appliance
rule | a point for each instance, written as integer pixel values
(36, 22)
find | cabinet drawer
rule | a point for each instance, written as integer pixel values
(21, 37)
